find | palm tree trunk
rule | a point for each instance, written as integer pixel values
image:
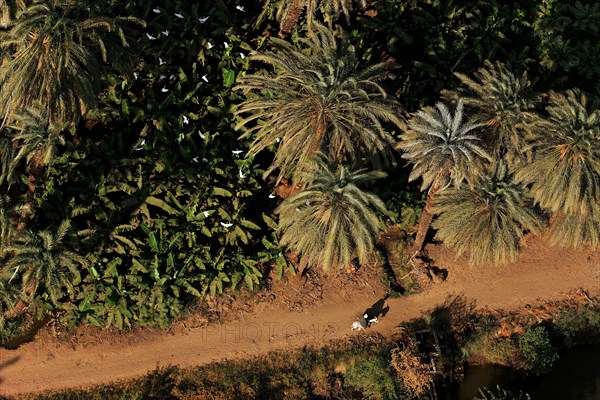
(35, 172)
(425, 221)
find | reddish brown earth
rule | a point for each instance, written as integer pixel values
(292, 316)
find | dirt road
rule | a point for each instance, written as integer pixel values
(542, 272)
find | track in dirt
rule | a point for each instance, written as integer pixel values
(541, 273)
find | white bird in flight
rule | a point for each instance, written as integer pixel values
(202, 19)
(242, 56)
(226, 225)
(164, 89)
(236, 152)
(205, 213)
(165, 33)
(150, 37)
(161, 61)
(271, 196)
(241, 8)
(242, 176)
(226, 44)
(136, 76)
(202, 136)
(185, 120)
(195, 159)
(204, 78)
(156, 10)
(179, 15)
(209, 45)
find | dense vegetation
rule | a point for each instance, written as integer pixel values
(141, 143)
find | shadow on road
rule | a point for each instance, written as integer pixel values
(6, 363)
(377, 309)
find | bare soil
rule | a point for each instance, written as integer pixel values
(293, 313)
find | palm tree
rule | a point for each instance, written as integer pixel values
(55, 59)
(8, 216)
(487, 220)
(564, 175)
(505, 103)
(332, 220)
(289, 11)
(42, 263)
(444, 151)
(577, 229)
(318, 100)
(36, 142)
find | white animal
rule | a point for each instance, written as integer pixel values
(241, 8)
(161, 61)
(242, 56)
(356, 325)
(236, 152)
(209, 45)
(202, 136)
(185, 120)
(204, 78)
(202, 19)
(271, 196)
(226, 225)
(205, 214)
(164, 89)
(226, 44)
(242, 176)
(179, 15)
(165, 33)
(136, 76)
(150, 37)
(156, 10)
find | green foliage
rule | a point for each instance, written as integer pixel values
(374, 378)
(331, 221)
(579, 324)
(487, 220)
(499, 393)
(320, 99)
(537, 351)
(569, 34)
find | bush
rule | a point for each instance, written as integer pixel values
(492, 350)
(373, 377)
(538, 353)
(578, 324)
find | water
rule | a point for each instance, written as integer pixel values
(575, 376)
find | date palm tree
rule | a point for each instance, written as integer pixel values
(444, 150)
(505, 102)
(564, 175)
(36, 141)
(332, 220)
(41, 262)
(55, 53)
(319, 99)
(487, 220)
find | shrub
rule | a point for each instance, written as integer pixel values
(578, 324)
(538, 353)
(373, 377)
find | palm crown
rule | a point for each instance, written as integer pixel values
(504, 102)
(488, 219)
(56, 56)
(40, 260)
(442, 148)
(564, 175)
(319, 100)
(332, 220)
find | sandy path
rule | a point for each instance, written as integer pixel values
(540, 273)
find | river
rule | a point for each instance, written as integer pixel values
(575, 376)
